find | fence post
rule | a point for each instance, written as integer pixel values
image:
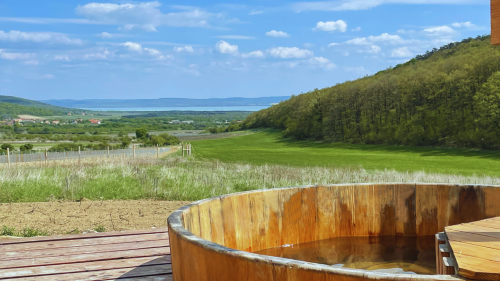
(79, 155)
(133, 151)
(182, 149)
(108, 150)
(157, 151)
(46, 156)
(8, 156)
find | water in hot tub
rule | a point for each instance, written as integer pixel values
(391, 254)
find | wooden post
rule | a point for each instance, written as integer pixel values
(79, 155)
(133, 151)
(182, 149)
(66, 154)
(108, 150)
(46, 156)
(8, 156)
(157, 151)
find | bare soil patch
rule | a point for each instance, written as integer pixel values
(61, 217)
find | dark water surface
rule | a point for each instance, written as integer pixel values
(393, 254)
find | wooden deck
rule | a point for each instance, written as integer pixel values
(125, 255)
(475, 248)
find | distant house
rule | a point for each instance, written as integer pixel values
(19, 120)
(188, 122)
(83, 113)
(69, 113)
(55, 122)
(95, 121)
(74, 122)
(79, 120)
(47, 122)
(175, 122)
(9, 123)
(28, 121)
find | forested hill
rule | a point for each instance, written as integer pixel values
(13, 106)
(449, 96)
(31, 103)
(10, 110)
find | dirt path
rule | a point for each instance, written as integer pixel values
(65, 217)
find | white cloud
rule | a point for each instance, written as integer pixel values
(38, 37)
(333, 44)
(254, 54)
(47, 76)
(332, 26)
(356, 29)
(62, 57)
(286, 52)
(144, 15)
(353, 5)
(15, 56)
(401, 52)
(374, 49)
(253, 13)
(321, 62)
(153, 52)
(236, 37)
(101, 54)
(188, 49)
(385, 37)
(462, 24)
(105, 35)
(136, 47)
(225, 48)
(274, 33)
(439, 31)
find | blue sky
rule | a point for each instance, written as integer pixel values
(70, 49)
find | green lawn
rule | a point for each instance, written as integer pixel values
(270, 148)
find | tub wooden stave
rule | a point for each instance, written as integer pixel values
(211, 239)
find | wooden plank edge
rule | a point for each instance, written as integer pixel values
(82, 236)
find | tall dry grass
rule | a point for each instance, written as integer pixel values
(179, 178)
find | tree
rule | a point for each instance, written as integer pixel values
(26, 147)
(141, 133)
(169, 139)
(7, 145)
(157, 140)
(125, 141)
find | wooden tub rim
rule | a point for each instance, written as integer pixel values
(175, 226)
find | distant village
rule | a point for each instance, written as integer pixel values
(21, 121)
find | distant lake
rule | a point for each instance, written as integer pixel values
(208, 108)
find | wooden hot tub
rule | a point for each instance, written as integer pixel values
(211, 239)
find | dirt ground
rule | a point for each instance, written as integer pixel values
(76, 217)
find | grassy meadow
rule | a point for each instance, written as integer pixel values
(270, 148)
(183, 179)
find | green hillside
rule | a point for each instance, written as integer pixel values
(36, 104)
(449, 96)
(12, 110)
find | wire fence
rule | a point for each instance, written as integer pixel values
(22, 157)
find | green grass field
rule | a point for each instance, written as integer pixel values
(269, 148)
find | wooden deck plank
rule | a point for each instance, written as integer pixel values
(466, 249)
(82, 236)
(166, 277)
(46, 261)
(112, 274)
(476, 248)
(83, 250)
(82, 267)
(82, 242)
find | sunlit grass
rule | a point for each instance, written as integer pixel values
(185, 179)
